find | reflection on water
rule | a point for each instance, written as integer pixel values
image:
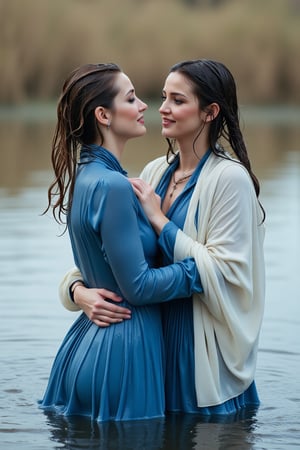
(180, 432)
(82, 433)
(33, 323)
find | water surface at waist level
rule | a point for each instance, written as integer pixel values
(33, 323)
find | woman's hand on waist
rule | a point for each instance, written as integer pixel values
(94, 304)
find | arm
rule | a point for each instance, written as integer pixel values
(93, 302)
(116, 218)
(164, 284)
(64, 289)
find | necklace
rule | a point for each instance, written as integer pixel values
(180, 180)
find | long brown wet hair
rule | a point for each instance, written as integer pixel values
(86, 88)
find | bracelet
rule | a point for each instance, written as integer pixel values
(73, 286)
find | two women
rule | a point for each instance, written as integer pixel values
(209, 210)
(114, 373)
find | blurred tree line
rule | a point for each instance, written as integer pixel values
(41, 41)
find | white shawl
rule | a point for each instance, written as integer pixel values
(227, 245)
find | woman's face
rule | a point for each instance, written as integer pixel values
(127, 114)
(180, 111)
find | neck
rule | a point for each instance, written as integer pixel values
(190, 158)
(188, 161)
(116, 148)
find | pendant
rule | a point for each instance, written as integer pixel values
(173, 189)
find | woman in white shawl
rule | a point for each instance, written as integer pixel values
(202, 201)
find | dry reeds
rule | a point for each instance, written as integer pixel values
(41, 41)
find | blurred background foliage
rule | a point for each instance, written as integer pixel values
(41, 41)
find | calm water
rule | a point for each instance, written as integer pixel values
(33, 323)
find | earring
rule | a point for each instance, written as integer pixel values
(108, 125)
(209, 118)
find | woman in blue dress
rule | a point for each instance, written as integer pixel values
(114, 373)
(208, 209)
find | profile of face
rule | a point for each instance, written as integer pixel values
(180, 110)
(127, 115)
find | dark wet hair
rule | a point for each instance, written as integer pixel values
(212, 82)
(87, 87)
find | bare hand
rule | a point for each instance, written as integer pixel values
(151, 203)
(94, 304)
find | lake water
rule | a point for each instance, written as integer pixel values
(33, 323)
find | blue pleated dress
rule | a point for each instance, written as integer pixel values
(178, 325)
(115, 373)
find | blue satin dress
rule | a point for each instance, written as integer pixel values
(115, 373)
(178, 320)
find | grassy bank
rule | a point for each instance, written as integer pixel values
(42, 40)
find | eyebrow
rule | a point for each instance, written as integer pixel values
(175, 93)
(131, 91)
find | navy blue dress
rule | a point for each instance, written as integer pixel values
(178, 323)
(115, 373)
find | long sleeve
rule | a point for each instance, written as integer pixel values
(115, 246)
(64, 288)
(119, 230)
(167, 239)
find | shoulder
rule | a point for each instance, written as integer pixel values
(234, 171)
(155, 163)
(106, 184)
(227, 170)
(222, 178)
(154, 170)
(117, 183)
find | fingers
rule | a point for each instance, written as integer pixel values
(121, 313)
(105, 293)
(102, 311)
(136, 187)
(140, 185)
(107, 312)
(105, 324)
(143, 191)
(101, 324)
(103, 320)
(109, 307)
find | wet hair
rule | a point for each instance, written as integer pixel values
(212, 82)
(86, 88)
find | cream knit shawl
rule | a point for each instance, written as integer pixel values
(227, 245)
